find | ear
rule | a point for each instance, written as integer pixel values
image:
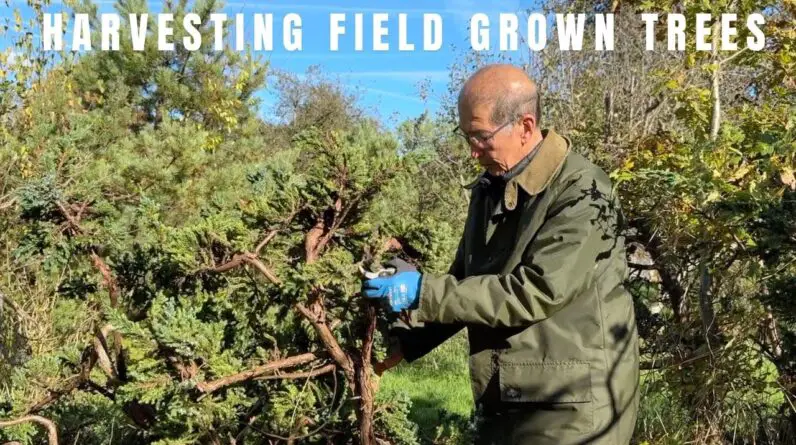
(528, 123)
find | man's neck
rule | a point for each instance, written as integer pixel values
(523, 159)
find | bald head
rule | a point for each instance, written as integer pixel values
(499, 115)
(507, 89)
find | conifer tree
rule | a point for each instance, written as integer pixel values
(175, 278)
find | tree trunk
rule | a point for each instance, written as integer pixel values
(707, 314)
(715, 121)
(364, 385)
(669, 281)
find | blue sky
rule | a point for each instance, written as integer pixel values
(387, 80)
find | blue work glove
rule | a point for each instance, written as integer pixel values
(400, 290)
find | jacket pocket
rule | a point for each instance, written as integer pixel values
(545, 382)
(549, 398)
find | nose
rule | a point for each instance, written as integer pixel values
(475, 152)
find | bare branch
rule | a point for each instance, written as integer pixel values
(715, 121)
(638, 266)
(733, 56)
(8, 204)
(107, 278)
(265, 241)
(236, 261)
(91, 386)
(320, 234)
(300, 375)
(103, 360)
(254, 261)
(247, 258)
(71, 384)
(215, 385)
(81, 209)
(706, 311)
(52, 431)
(313, 239)
(68, 215)
(317, 318)
(772, 338)
(339, 216)
(671, 285)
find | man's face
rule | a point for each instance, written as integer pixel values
(495, 153)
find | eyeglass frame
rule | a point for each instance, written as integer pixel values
(479, 141)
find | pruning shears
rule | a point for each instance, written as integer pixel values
(381, 273)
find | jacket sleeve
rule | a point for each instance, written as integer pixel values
(420, 339)
(580, 229)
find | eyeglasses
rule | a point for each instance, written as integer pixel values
(477, 139)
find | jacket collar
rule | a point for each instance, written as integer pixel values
(539, 173)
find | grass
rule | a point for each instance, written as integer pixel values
(438, 386)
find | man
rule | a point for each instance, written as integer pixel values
(537, 281)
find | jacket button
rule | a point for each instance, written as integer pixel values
(512, 393)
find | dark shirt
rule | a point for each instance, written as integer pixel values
(496, 184)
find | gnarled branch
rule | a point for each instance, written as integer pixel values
(215, 385)
(101, 348)
(317, 318)
(107, 278)
(265, 241)
(300, 375)
(52, 431)
(251, 259)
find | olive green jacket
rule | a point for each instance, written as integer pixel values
(539, 284)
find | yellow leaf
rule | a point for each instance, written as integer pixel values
(714, 195)
(787, 178)
(741, 172)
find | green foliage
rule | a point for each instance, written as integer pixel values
(136, 177)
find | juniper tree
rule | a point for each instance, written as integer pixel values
(176, 278)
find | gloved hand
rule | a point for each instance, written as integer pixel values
(401, 290)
